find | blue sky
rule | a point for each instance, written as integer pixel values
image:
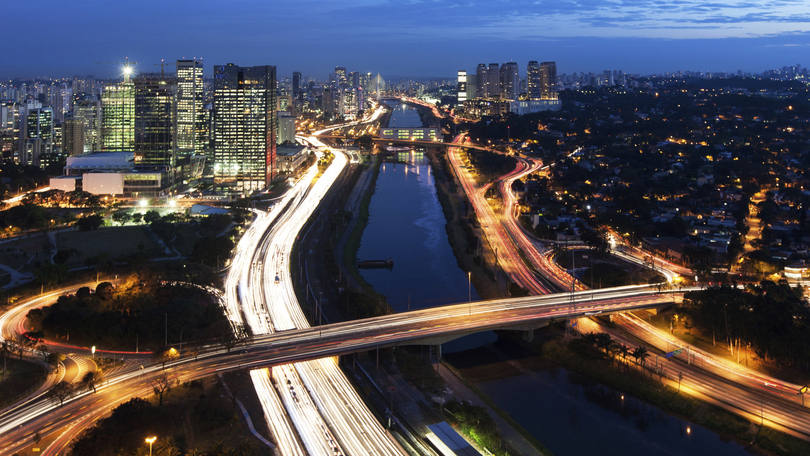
(405, 37)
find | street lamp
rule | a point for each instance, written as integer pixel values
(150, 441)
(93, 351)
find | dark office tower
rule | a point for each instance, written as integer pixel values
(534, 81)
(73, 136)
(88, 111)
(191, 126)
(244, 127)
(493, 81)
(154, 124)
(481, 81)
(509, 81)
(548, 80)
(296, 84)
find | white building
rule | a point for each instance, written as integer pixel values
(286, 128)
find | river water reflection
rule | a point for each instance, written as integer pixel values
(407, 225)
(569, 416)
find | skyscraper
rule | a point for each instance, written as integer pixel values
(461, 88)
(296, 83)
(38, 135)
(493, 86)
(88, 111)
(509, 81)
(191, 128)
(548, 80)
(118, 117)
(481, 80)
(340, 76)
(73, 136)
(244, 127)
(154, 123)
(534, 80)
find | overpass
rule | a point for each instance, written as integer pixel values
(409, 328)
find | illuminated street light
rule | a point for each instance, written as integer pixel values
(172, 203)
(143, 203)
(93, 351)
(150, 441)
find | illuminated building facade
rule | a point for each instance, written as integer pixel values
(548, 80)
(533, 81)
(509, 81)
(244, 127)
(461, 88)
(118, 117)
(191, 124)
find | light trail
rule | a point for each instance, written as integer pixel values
(326, 411)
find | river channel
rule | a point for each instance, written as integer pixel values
(570, 415)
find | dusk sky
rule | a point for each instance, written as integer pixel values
(404, 37)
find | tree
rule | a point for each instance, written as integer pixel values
(151, 216)
(640, 354)
(603, 341)
(137, 217)
(161, 386)
(60, 392)
(90, 222)
(91, 380)
(239, 334)
(121, 216)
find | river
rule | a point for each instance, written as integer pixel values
(568, 415)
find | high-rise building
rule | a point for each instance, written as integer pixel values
(191, 126)
(534, 81)
(493, 81)
(481, 80)
(548, 80)
(154, 124)
(38, 135)
(341, 77)
(73, 136)
(118, 117)
(461, 88)
(509, 81)
(244, 127)
(88, 111)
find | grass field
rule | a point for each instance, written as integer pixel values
(112, 242)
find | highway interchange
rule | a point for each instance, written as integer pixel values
(309, 404)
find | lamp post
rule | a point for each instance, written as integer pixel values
(150, 441)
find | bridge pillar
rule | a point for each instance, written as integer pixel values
(438, 349)
(528, 336)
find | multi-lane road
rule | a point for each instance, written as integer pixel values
(60, 425)
(754, 395)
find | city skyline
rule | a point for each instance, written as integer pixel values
(640, 37)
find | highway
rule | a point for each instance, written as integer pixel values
(63, 424)
(752, 394)
(311, 406)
